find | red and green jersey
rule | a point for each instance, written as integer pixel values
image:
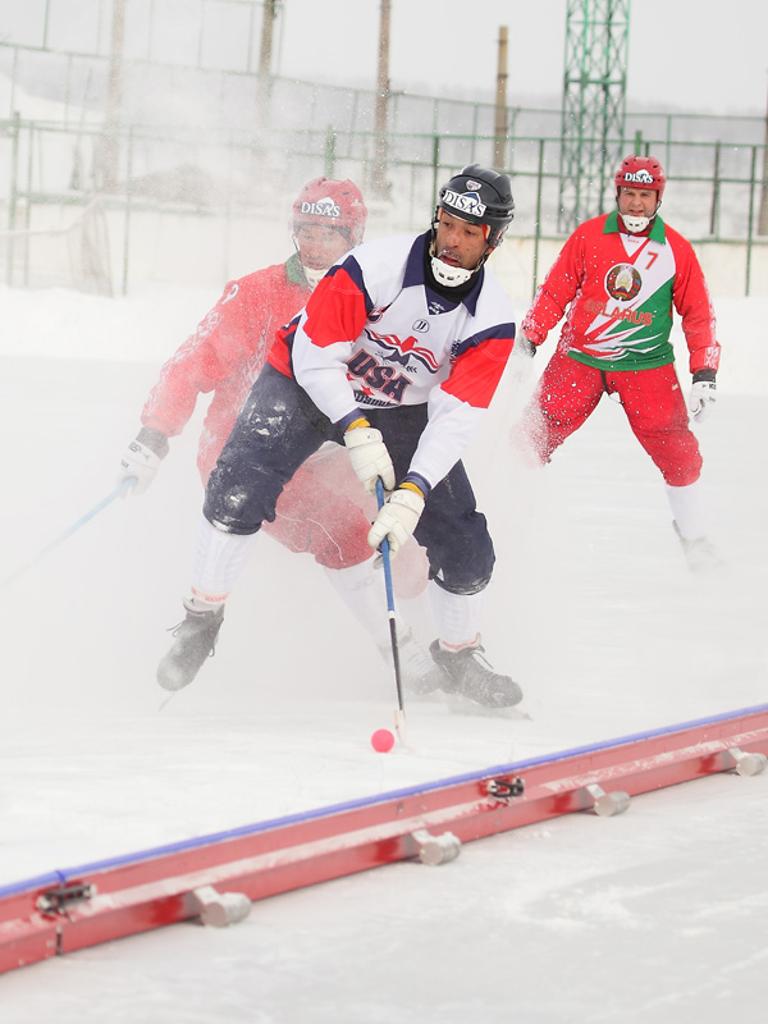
(619, 291)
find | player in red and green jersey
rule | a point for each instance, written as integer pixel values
(617, 280)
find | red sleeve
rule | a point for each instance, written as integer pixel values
(475, 375)
(691, 298)
(558, 290)
(337, 309)
(224, 339)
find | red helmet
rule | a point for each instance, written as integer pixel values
(641, 172)
(336, 204)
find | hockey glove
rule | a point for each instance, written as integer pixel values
(369, 456)
(397, 519)
(142, 459)
(703, 394)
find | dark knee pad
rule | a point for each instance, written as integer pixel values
(464, 568)
(465, 589)
(456, 537)
(241, 502)
(277, 429)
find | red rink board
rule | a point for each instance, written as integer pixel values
(152, 888)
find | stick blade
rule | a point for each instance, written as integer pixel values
(400, 725)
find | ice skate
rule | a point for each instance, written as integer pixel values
(195, 640)
(467, 673)
(700, 554)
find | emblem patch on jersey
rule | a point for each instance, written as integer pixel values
(231, 293)
(401, 351)
(367, 375)
(623, 282)
(322, 208)
(422, 326)
(466, 202)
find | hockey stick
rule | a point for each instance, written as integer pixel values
(118, 491)
(387, 565)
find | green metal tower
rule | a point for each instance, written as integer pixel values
(594, 90)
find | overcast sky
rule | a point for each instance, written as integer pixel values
(682, 53)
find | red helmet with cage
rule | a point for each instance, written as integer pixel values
(641, 172)
(331, 203)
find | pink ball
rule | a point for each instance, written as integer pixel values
(382, 741)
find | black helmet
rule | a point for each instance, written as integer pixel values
(481, 196)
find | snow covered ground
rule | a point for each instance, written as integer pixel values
(657, 915)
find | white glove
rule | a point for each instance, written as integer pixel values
(139, 465)
(703, 394)
(397, 519)
(370, 458)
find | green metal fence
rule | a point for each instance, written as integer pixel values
(713, 195)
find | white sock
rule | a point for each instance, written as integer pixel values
(457, 616)
(218, 561)
(361, 588)
(686, 505)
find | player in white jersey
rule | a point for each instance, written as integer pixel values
(396, 355)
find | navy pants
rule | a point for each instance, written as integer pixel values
(279, 427)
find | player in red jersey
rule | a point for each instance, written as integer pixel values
(616, 281)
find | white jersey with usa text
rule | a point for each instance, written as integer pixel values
(374, 334)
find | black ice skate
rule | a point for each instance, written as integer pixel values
(466, 672)
(700, 554)
(195, 640)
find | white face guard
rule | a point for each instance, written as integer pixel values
(448, 275)
(635, 224)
